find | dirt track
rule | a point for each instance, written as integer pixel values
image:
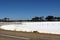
(31, 36)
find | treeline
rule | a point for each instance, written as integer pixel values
(47, 18)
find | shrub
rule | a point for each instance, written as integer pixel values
(35, 32)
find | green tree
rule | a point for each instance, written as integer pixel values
(50, 18)
(5, 19)
(35, 19)
(41, 18)
(57, 18)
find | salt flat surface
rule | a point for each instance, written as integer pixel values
(43, 27)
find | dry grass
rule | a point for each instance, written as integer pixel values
(32, 36)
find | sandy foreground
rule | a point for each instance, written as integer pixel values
(13, 35)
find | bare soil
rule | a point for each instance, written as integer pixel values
(32, 36)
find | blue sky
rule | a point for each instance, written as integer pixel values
(26, 9)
